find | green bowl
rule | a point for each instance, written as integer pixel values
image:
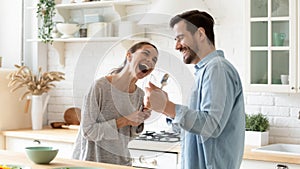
(41, 155)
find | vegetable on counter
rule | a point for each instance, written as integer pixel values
(10, 167)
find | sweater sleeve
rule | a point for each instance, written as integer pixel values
(92, 128)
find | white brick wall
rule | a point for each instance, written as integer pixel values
(281, 109)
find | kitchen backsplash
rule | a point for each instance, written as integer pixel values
(281, 109)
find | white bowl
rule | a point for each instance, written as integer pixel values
(67, 29)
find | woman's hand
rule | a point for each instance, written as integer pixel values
(147, 113)
(133, 119)
(136, 118)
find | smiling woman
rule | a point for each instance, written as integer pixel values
(111, 114)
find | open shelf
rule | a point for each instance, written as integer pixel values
(96, 4)
(59, 43)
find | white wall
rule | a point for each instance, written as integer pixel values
(10, 32)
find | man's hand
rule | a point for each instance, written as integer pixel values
(155, 98)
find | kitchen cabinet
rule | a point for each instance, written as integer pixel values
(271, 46)
(154, 159)
(19, 144)
(63, 139)
(155, 154)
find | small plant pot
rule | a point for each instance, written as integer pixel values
(256, 138)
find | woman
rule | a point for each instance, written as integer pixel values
(112, 112)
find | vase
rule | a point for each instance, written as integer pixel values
(38, 107)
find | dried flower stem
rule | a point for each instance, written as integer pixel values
(36, 84)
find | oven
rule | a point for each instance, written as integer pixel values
(156, 150)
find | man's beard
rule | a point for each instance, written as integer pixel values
(191, 57)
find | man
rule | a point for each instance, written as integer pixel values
(214, 121)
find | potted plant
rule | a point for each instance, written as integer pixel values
(257, 133)
(46, 12)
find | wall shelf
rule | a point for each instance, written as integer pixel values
(97, 4)
(59, 43)
(116, 10)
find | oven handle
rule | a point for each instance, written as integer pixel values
(144, 161)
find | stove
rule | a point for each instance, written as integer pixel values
(155, 150)
(162, 136)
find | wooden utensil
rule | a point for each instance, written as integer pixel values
(72, 116)
(57, 124)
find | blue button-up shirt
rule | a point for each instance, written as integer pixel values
(214, 122)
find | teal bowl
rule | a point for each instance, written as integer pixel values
(41, 155)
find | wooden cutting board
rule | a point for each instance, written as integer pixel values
(72, 116)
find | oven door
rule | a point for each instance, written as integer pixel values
(154, 159)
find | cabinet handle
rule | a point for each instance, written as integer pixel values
(37, 141)
(154, 162)
(292, 88)
(144, 161)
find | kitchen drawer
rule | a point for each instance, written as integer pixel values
(19, 144)
(154, 159)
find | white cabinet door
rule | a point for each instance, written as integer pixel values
(19, 144)
(271, 50)
(154, 159)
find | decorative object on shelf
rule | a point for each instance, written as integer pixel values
(36, 85)
(67, 29)
(278, 38)
(83, 32)
(256, 130)
(97, 29)
(55, 33)
(46, 12)
(284, 79)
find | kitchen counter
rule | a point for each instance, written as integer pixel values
(283, 158)
(17, 158)
(47, 133)
(69, 136)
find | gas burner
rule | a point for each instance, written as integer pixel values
(162, 136)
